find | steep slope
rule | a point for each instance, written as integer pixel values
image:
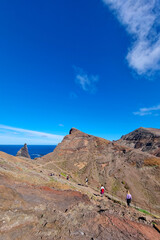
(117, 167)
(32, 207)
(145, 139)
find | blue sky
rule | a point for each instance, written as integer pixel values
(89, 64)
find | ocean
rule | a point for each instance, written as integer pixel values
(34, 150)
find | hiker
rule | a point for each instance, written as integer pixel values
(86, 181)
(67, 177)
(102, 190)
(128, 198)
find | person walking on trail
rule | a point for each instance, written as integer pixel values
(128, 198)
(102, 190)
(86, 181)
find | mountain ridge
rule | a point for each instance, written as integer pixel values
(38, 202)
(115, 166)
(145, 139)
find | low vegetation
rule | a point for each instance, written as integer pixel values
(152, 162)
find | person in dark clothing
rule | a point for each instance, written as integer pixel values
(128, 198)
(86, 181)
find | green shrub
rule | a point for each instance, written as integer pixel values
(143, 211)
(63, 174)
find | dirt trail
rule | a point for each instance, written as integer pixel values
(34, 206)
(94, 193)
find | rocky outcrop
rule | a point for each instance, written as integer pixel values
(23, 152)
(117, 167)
(145, 139)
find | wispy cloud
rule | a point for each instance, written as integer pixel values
(12, 135)
(141, 19)
(86, 82)
(60, 125)
(148, 111)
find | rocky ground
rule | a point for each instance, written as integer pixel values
(35, 205)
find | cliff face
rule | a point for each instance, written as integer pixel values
(23, 152)
(145, 139)
(117, 167)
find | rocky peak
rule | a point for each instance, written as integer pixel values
(77, 133)
(144, 139)
(73, 130)
(23, 152)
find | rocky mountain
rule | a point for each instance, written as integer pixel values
(117, 167)
(23, 152)
(145, 139)
(35, 205)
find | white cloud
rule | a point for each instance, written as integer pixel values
(61, 125)
(86, 81)
(148, 111)
(141, 19)
(12, 135)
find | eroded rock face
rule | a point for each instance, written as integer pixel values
(145, 139)
(115, 166)
(23, 152)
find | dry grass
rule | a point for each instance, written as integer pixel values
(80, 165)
(152, 162)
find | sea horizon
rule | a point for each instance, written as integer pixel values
(35, 151)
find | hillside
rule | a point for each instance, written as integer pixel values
(117, 167)
(37, 206)
(145, 139)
